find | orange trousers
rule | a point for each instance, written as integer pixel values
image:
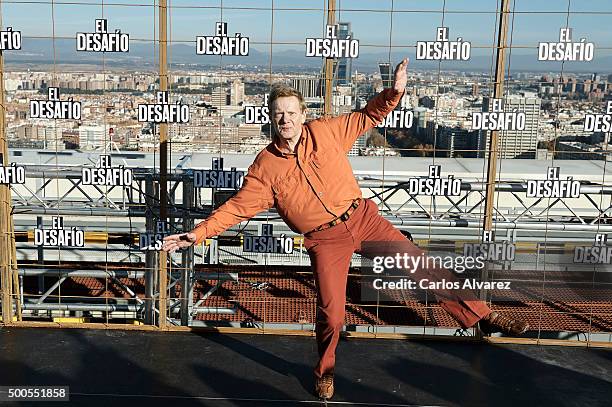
(330, 252)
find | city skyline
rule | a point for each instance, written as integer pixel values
(532, 22)
(435, 117)
(142, 54)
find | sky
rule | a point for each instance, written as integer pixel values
(375, 23)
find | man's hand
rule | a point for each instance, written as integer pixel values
(400, 77)
(180, 241)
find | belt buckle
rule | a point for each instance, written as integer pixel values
(342, 218)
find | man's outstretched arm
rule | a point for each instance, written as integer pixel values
(254, 196)
(346, 128)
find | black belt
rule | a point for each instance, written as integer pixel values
(342, 218)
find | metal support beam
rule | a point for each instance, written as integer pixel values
(64, 272)
(8, 259)
(17, 288)
(150, 256)
(214, 310)
(50, 290)
(187, 272)
(498, 92)
(163, 158)
(329, 63)
(41, 257)
(81, 307)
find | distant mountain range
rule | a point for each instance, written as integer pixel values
(144, 55)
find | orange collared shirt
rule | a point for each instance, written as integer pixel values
(311, 187)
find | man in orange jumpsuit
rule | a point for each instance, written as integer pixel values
(304, 172)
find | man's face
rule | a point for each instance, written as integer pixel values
(287, 117)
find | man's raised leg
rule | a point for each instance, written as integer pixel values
(463, 305)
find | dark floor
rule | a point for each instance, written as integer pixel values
(111, 367)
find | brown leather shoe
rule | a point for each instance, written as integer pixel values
(495, 322)
(324, 386)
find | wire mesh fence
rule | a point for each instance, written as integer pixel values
(117, 112)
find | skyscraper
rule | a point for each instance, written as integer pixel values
(237, 92)
(457, 142)
(219, 97)
(475, 89)
(385, 74)
(514, 143)
(359, 144)
(343, 68)
(308, 87)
